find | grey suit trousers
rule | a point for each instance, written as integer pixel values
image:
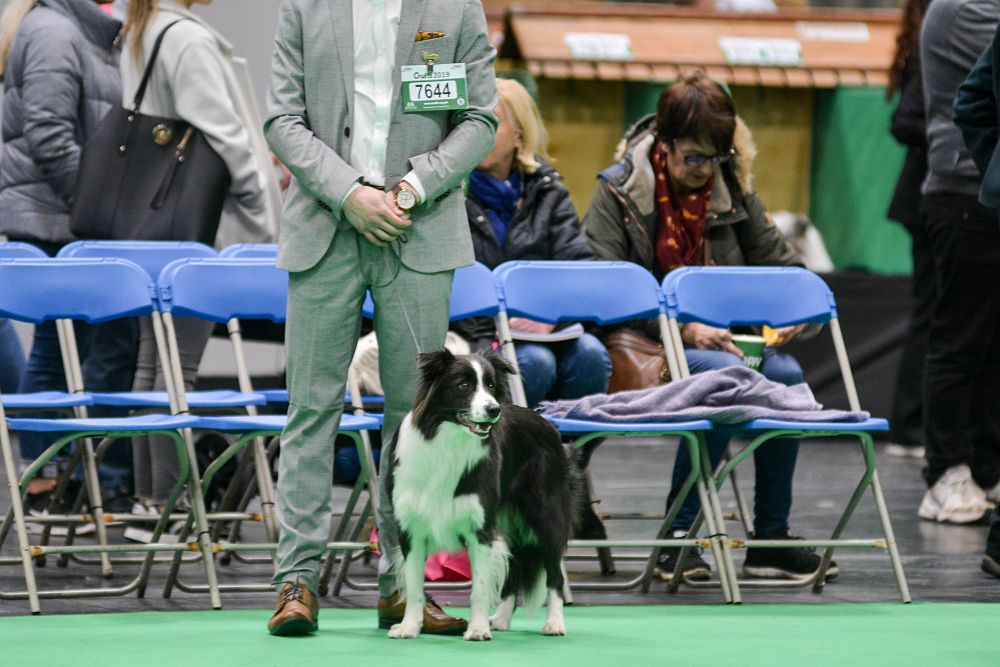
(323, 325)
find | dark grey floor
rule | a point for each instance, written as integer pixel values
(942, 562)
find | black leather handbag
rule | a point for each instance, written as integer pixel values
(148, 178)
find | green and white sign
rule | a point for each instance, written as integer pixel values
(438, 88)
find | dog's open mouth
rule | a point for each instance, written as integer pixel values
(478, 429)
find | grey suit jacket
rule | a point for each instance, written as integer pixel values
(309, 119)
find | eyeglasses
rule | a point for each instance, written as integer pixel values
(698, 160)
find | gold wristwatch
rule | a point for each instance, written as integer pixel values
(405, 198)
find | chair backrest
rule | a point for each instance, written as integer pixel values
(726, 296)
(91, 290)
(601, 292)
(18, 250)
(152, 256)
(473, 294)
(251, 251)
(222, 288)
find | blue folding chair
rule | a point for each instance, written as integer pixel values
(38, 290)
(42, 400)
(607, 293)
(220, 290)
(251, 251)
(152, 256)
(778, 297)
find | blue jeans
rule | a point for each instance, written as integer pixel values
(569, 369)
(11, 358)
(774, 461)
(107, 351)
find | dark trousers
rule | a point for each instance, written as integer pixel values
(962, 372)
(907, 418)
(993, 540)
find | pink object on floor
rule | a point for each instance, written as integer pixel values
(441, 566)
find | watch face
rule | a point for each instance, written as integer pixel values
(405, 199)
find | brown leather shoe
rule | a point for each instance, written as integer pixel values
(436, 622)
(296, 612)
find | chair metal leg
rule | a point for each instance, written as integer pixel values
(742, 506)
(200, 522)
(17, 510)
(712, 510)
(93, 484)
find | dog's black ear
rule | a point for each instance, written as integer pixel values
(432, 363)
(501, 366)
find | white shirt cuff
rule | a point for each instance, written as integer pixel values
(418, 187)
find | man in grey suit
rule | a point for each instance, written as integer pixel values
(380, 109)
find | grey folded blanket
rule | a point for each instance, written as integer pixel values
(727, 396)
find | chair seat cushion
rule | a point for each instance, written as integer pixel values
(221, 398)
(276, 423)
(583, 426)
(41, 400)
(140, 423)
(870, 424)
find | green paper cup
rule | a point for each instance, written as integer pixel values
(752, 348)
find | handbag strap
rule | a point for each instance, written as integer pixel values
(148, 73)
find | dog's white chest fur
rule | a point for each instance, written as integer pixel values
(424, 483)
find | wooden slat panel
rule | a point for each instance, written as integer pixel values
(681, 40)
(609, 71)
(824, 78)
(582, 69)
(717, 73)
(772, 76)
(798, 78)
(746, 76)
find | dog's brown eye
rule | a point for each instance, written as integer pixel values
(464, 385)
(489, 385)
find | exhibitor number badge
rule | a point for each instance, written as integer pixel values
(436, 88)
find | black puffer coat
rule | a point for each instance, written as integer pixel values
(545, 226)
(62, 78)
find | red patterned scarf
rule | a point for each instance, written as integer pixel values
(680, 229)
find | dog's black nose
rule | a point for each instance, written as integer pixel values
(493, 411)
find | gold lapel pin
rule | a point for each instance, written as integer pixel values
(430, 59)
(162, 134)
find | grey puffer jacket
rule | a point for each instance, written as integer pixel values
(62, 78)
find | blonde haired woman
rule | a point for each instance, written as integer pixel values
(196, 79)
(519, 209)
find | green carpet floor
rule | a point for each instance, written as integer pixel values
(938, 635)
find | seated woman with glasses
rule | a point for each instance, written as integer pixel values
(681, 195)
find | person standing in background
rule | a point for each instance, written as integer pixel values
(375, 205)
(59, 63)
(962, 375)
(195, 79)
(977, 114)
(910, 129)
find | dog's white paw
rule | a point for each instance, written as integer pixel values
(404, 631)
(500, 622)
(554, 627)
(478, 634)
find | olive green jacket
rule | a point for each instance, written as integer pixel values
(621, 221)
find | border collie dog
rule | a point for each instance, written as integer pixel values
(471, 470)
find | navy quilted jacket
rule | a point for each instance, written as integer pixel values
(62, 78)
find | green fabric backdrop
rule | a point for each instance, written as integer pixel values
(854, 169)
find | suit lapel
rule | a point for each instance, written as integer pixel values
(409, 21)
(342, 20)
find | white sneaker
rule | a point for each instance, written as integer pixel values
(954, 498)
(904, 451)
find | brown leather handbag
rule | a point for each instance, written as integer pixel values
(636, 361)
